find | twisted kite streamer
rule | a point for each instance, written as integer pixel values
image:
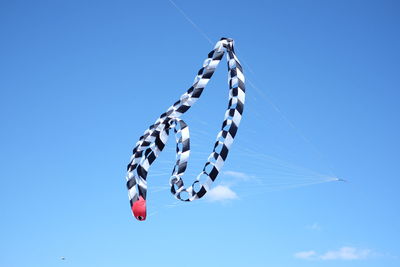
(153, 141)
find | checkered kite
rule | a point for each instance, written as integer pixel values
(153, 141)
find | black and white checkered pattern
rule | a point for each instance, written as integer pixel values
(155, 137)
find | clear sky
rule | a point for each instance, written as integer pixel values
(81, 80)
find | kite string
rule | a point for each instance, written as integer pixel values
(261, 92)
(290, 123)
(276, 162)
(191, 22)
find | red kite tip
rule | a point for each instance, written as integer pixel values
(139, 209)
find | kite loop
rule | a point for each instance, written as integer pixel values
(154, 139)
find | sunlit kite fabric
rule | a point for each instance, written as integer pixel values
(154, 139)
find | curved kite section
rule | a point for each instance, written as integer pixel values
(154, 139)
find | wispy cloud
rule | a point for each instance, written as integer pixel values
(305, 255)
(221, 193)
(343, 253)
(315, 227)
(238, 175)
(347, 253)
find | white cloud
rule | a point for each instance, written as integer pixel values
(221, 193)
(305, 255)
(346, 253)
(238, 175)
(343, 253)
(315, 227)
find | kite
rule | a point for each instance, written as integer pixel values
(154, 139)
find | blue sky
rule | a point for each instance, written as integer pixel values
(81, 81)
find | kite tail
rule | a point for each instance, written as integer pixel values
(153, 141)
